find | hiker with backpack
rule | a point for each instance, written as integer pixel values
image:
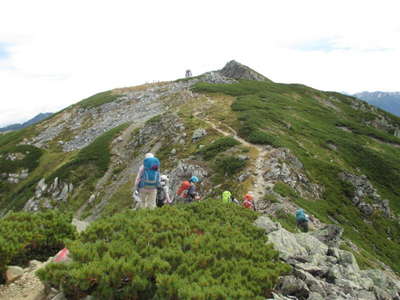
(187, 190)
(148, 180)
(227, 197)
(163, 192)
(302, 220)
(248, 201)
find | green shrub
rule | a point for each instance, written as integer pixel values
(287, 220)
(205, 250)
(285, 190)
(25, 236)
(98, 99)
(218, 146)
(30, 161)
(229, 165)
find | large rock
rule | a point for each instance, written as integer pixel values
(364, 192)
(324, 272)
(287, 245)
(267, 224)
(330, 235)
(292, 286)
(383, 282)
(198, 134)
(13, 273)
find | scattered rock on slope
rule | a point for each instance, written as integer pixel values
(323, 271)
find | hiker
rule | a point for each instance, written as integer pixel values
(135, 194)
(227, 197)
(187, 190)
(302, 220)
(149, 180)
(248, 201)
(163, 191)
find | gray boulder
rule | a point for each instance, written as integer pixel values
(330, 235)
(290, 285)
(267, 224)
(198, 134)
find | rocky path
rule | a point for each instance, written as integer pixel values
(259, 166)
(28, 287)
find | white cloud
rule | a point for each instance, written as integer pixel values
(63, 51)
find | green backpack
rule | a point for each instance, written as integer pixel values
(226, 197)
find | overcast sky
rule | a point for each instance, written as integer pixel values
(57, 52)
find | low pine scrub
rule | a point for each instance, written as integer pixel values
(229, 165)
(26, 236)
(329, 135)
(98, 99)
(205, 250)
(31, 156)
(218, 146)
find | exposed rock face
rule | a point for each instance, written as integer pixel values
(15, 156)
(183, 171)
(397, 132)
(284, 166)
(364, 193)
(235, 70)
(15, 177)
(323, 271)
(330, 235)
(49, 196)
(198, 134)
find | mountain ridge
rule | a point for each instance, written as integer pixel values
(388, 101)
(38, 118)
(333, 155)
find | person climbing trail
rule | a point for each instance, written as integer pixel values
(302, 220)
(187, 190)
(135, 194)
(149, 180)
(227, 197)
(248, 201)
(163, 192)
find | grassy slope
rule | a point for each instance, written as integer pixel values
(295, 117)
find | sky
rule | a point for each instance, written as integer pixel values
(54, 53)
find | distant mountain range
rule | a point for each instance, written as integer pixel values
(389, 101)
(32, 121)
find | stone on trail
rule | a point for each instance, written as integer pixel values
(13, 273)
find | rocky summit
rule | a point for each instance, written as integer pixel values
(291, 146)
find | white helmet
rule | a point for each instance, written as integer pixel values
(149, 155)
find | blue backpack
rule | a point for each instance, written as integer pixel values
(151, 176)
(300, 216)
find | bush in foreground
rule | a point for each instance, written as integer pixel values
(206, 250)
(26, 236)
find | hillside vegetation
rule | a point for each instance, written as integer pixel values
(248, 129)
(307, 122)
(206, 250)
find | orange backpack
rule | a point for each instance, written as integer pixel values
(182, 191)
